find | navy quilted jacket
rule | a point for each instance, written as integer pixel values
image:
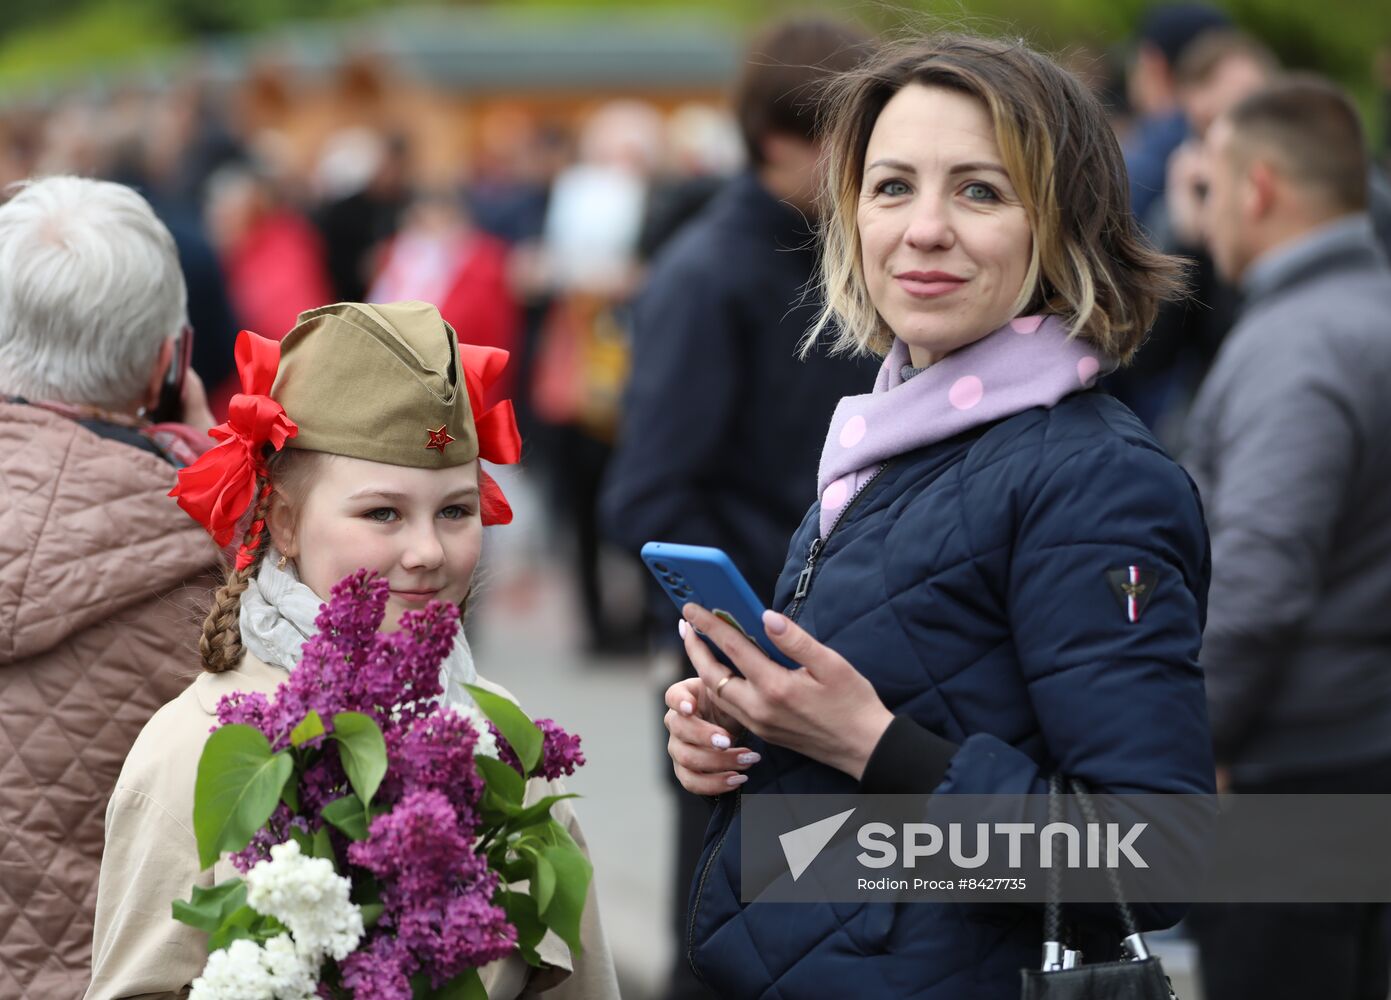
(969, 582)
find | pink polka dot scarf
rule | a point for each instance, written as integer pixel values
(1028, 362)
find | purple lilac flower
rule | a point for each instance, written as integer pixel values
(322, 782)
(418, 847)
(349, 667)
(435, 753)
(461, 932)
(276, 831)
(422, 644)
(380, 971)
(560, 752)
(250, 708)
(436, 890)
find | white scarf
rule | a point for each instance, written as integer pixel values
(277, 618)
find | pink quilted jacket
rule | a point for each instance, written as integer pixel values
(102, 579)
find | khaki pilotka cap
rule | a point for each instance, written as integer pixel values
(380, 382)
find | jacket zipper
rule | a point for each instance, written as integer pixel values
(700, 889)
(793, 610)
(817, 545)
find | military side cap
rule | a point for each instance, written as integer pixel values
(379, 382)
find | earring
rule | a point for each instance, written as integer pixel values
(281, 563)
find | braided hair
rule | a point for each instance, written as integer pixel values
(220, 645)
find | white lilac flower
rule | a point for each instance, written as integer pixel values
(246, 971)
(309, 898)
(234, 973)
(487, 742)
(293, 976)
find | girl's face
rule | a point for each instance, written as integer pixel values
(946, 241)
(420, 529)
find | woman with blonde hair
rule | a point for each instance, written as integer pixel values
(1004, 576)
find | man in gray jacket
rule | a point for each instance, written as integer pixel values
(1289, 441)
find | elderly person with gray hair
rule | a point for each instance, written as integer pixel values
(98, 569)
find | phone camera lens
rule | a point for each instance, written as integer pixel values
(661, 567)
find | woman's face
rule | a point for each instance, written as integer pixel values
(945, 239)
(419, 529)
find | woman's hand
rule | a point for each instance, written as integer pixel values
(701, 741)
(827, 711)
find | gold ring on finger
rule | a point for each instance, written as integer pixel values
(723, 681)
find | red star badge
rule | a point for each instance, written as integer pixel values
(439, 439)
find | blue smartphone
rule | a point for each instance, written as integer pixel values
(707, 576)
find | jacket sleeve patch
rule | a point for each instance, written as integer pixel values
(1133, 587)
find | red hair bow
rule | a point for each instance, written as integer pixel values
(220, 487)
(499, 441)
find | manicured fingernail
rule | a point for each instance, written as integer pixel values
(749, 758)
(687, 708)
(720, 741)
(736, 779)
(683, 628)
(774, 622)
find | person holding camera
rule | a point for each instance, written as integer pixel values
(100, 573)
(1004, 577)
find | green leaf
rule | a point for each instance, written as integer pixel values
(310, 728)
(538, 811)
(572, 874)
(314, 845)
(371, 913)
(264, 928)
(366, 889)
(503, 781)
(323, 846)
(519, 731)
(495, 812)
(304, 839)
(290, 794)
(511, 871)
(207, 908)
(542, 883)
(240, 924)
(521, 913)
(466, 986)
(554, 834)
(363, 752)
(239, 783)
(349, 815)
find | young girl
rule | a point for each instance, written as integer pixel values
(356, 442)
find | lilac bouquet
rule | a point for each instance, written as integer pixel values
(381, 836)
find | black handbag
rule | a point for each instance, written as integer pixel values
(1139, 976)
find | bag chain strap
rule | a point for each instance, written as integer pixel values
(1055, 955)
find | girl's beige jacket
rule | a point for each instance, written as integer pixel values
(151, 859)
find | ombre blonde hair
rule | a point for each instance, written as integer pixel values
(1090, 264)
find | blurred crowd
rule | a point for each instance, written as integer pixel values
(581, 245)
(539, 243)
(536, 245)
